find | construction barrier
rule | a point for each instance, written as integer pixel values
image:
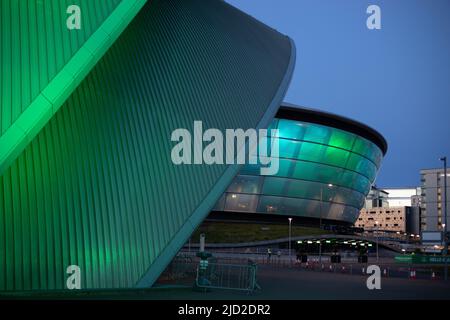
(227, 276)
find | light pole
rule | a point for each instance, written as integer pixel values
(320, 223)
(290, 223)
(444, 159)
(376, 223)
(320, 219)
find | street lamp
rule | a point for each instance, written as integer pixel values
(376, 223)
(290, 223)
(444, 159)
(320, 219)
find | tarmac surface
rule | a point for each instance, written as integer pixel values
(284, 283)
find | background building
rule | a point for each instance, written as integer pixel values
(432, 199)
(376, 198)
(395, 210)
(401, 197)
(383, 219)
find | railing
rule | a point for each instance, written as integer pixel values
(227, 276)
(389, 270)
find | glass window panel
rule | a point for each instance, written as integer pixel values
(335, 211)
(311, 151)
(377, 155)
(290, 188)
(348, 196)
(335, 156)
(327, 193)
(362, 146)
(285, 168)
(241, 202)
(285, 187)
(289, 206)
(245, 184)
(291, 129)
(362, 165)
(350, 214)
(317, 133)
(274, 186)
(341, 139)
(289, 148)
(316, 172)
(302, 189)
(355, 181)
(270, 205)
(367, 149)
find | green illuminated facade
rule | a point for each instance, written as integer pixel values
(42, 61)
(86, 176)
(327, 165)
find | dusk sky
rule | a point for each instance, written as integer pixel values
(396, 80)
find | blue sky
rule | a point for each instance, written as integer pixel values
(397, 79)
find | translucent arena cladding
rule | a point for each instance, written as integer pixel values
(327, 164)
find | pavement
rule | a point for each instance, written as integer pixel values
(301, 284)
(284, 283)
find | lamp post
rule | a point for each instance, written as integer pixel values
(320, 223)
(376, 223)
(444, 159)
(320, 220)
(290, 223)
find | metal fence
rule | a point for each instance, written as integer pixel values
(227, 276)
(394, 270)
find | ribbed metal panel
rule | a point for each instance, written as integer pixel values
(97, 187)
(36, 45)
(42, 61)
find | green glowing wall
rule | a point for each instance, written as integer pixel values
(311, 156)
(42, 61)
(96, 187)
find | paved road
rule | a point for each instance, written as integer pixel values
(288, 283)
(299, 284)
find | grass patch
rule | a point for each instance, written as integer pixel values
(225, 232)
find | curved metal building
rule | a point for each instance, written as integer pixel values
(327, 164)
(86, 176)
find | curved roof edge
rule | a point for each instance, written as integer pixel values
(222, 184)
(300, 113)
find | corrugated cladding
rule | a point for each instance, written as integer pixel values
(36, 44)
(42, 61)
(97, 187)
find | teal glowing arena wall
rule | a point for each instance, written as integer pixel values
(316, 162)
